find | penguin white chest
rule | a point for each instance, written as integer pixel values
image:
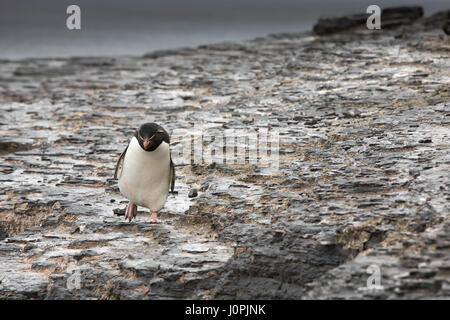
(145, 175)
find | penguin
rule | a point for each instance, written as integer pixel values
(145, 171)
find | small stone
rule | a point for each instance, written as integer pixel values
(212, 165)
(119, 212)
(193, 193)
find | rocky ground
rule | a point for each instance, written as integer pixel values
(363, 119)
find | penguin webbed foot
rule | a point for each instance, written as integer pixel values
(131, 211)
(154, 218)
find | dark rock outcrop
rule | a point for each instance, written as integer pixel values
(390, 17)
(446, 25)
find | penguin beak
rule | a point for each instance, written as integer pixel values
(146, 144)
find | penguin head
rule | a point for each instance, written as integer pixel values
(150, 135)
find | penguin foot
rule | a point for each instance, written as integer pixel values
(154, 218)
(131, 212)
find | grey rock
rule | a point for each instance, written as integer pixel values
(362, 178)
(193, 193)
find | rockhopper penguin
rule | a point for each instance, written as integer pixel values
(145, 171)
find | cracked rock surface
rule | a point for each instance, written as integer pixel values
(363, 179)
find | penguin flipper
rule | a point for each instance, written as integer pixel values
(120, 163)
(172, 176)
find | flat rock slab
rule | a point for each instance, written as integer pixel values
(362, 184)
